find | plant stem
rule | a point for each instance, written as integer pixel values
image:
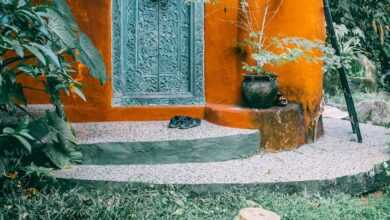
(261, 39)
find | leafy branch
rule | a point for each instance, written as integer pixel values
(42, 42)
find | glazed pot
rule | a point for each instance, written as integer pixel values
(259, 91)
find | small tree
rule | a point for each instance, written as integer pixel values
(42, 42)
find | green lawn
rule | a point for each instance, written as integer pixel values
(148, 202)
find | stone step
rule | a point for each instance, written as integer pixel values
(153, 142)
(335, 161)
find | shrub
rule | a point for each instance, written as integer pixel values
(42, 42)
(372, 17)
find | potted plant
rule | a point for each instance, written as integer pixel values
(259, 87)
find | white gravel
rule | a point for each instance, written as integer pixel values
(114, 132)
(334, 155)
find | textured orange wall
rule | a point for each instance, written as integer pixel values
(222, 78)
(301, 82)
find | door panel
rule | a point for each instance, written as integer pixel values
(157, 52)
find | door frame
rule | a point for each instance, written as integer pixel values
(196, 96)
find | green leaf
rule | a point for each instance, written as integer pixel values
(61, 150)
(29, 15)
(179, 212)
(15, 45)
(36, 53)
(19, 50)
(3, 165)
(8, 130)
(50, 54)
(63, 8)
(26, 135)
(63, 128)
(59, 158)
(58, 25)
(29, 70)
(76, 157)
(37, 171)
(39, 128)
(12, 27)
(92, 58)
(24, 142)
(79, 93)
(21, 3)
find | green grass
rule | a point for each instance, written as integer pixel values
(148, 202)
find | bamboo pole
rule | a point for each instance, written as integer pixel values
(343, 75)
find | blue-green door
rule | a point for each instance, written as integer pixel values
(157, 52)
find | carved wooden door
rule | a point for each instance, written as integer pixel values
(157, 52)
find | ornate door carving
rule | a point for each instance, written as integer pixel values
(157, 52)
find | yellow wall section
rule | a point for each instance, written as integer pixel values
(301, 82)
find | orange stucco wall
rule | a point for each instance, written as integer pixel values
(300, 82)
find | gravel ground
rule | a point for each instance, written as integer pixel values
(334, 155)
(114, 132)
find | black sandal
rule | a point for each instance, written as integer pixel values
(189, 122)
(175, 122)
(184, 122)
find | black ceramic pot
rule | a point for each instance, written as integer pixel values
(259, 91)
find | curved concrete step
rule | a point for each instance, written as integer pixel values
(153, 143)
(335, 162)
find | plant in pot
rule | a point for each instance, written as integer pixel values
(260, 89)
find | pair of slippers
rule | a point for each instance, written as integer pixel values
(184, 122)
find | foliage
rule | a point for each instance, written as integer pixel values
(41, 42)
(288, 49)
(46, 141)
(350, 45)
(169, 202)
(353, 58)
(387, 168)
(373, 18)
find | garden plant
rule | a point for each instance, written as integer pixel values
(41, 41)
(262, 51)
(364, 25)
(44, 43)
